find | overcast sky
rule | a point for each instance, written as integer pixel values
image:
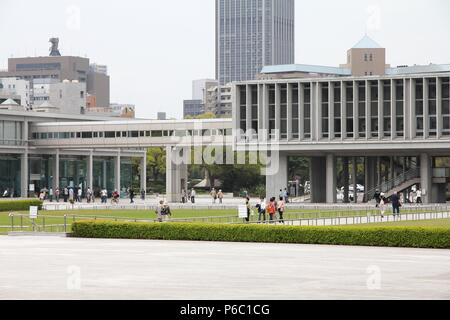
(154, 49)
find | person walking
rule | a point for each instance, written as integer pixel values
(183, 196)
(80, 195)
(213, 195)
(50, 194)
(396, 204)
(193, 194)
(131, 193)
(419, 197)
(271, 209)
(247, 204)
(159, 211)
(220, 196)
(71, 197)
(281, 207)
(57, 194)
(382, 205)
(377, 198)
(143, 195)
(261, 206)
(66, 194)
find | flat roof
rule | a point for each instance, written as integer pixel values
(306, 68)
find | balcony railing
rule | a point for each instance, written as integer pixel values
(17, 143)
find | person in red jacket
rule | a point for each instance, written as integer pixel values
(272, 209)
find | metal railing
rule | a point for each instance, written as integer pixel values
(387, 186)
(62, 224)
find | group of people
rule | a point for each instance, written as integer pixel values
(188, 197)
(216, 195)
(396, 201)
(272, 208)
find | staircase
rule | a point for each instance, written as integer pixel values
(398, 184)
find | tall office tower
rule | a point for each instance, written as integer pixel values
(251, 34)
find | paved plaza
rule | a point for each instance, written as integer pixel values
(65, 268)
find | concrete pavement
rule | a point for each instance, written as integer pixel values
(65, 268)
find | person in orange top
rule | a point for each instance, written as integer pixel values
(271, 209)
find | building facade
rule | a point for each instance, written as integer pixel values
(251, 34)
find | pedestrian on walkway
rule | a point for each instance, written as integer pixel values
(281, 206)
(396, 204)
(261, 206)
(271, 209)
(159, 211)
(193, 194)
(220, 196)
(131, 194)
(80, 194)
(419, 196)
(377, 198)
(247, 204)
(57, 194)
(382, 205)
(50, 194)
(213, 195)
(66, 194)
(183, 196)
(142, 194)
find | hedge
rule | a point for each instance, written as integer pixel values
(413, 237)
(19, 205)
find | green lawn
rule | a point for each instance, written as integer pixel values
(53, 220)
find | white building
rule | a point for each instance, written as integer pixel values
(68, 96)
(15, 89)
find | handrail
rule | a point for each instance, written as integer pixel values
(391, 184)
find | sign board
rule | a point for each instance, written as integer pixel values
(31, 187)
(33, 212)
(242, 211)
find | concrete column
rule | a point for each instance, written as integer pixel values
(412, 109)
(355, 110)
(331, 179)
(263, 115)
(346, 178)
(90, 170)
(407, 108)
(117, 172)
(248, 112)
(56, 170)
(318, 177)
(236, 112)
(355, 176)
(368, 111)
(176, 173)
(318, 111)
(330, 111)
(301, 111)
(393, 110)
(24, 175)
(425, 177)
(289, 111)
(343, 111)
(426, 110)
(144, 173)
(277, 112)
(380, 110)
(277, 179)
(439, 118)
(105, 170)
(314, 112)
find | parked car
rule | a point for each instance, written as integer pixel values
(359, 188)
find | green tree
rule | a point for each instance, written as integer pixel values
(156, 163)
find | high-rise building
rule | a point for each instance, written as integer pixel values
(251, 34)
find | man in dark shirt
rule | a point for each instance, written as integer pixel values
(396, 204)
